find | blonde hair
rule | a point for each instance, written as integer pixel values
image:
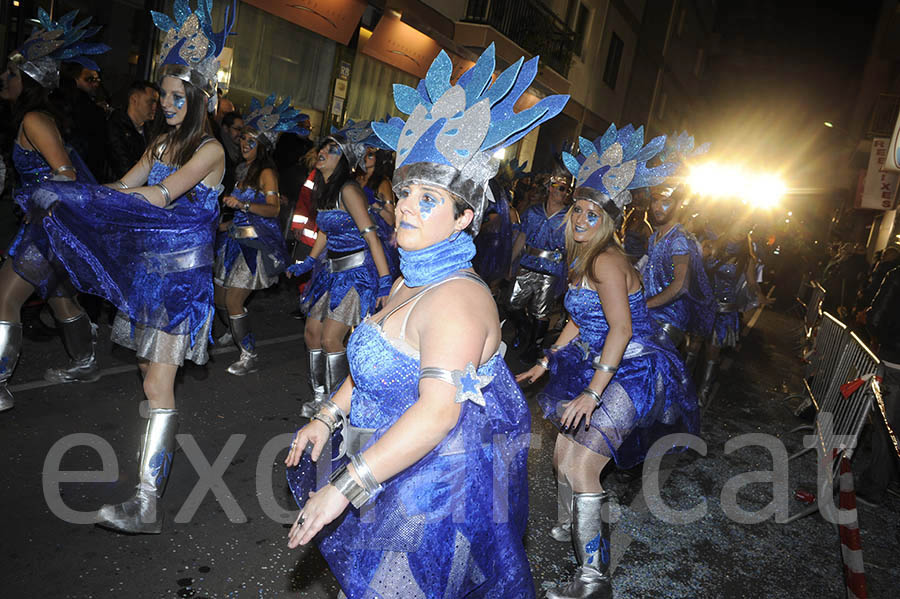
(581, 255)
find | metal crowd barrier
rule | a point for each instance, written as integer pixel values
(842, 372)
(813, 309)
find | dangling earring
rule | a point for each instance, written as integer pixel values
(455, 236)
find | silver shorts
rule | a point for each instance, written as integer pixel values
(532, 292)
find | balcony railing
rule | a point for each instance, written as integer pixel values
(531, 25)
(884, 115)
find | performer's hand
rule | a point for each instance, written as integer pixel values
(316, 433)
(232, 202)
(532, 374)
(322, 507)
(580, 407)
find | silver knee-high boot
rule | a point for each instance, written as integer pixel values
(78, 338)
(590, 536)
(244, 340)
(336, 370)
(138, 515)
(562, 532)
(317, 371)
(10, 347)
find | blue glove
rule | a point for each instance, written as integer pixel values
(301, 268)
(384, 285)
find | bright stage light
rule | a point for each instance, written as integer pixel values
(715, 181)
(766, 190)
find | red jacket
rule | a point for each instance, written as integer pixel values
(304, 216)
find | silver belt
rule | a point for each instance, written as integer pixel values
(552, 255)
(726, 307)
(675, 335)
(244, 232)
(347, 262)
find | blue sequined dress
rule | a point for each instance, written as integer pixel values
(251, 253)
(349, 295)
(30, 253)
(727, 283)
(693, 310)
(649, 396)
(452, 524)
(385, 233)
(154, 264)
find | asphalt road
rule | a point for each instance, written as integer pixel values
(232, 542)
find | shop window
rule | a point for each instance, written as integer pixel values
(613, 60)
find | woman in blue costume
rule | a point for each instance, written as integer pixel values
(614, 388)
(250, 252)
(148, 248)
(374, 176)
(732, 272)
(353, 277)
(39, 154)
(494, 241)
(432, 405)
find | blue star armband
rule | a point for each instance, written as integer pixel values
(301, 268)
(468, 382)
(384, 285)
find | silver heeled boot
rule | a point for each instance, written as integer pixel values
(138, 515)
(336, 370)
(562, 532)
(78, 338)
(590, 536)
(10, 347)
(704, 391)
(317, 370)
(245, 341)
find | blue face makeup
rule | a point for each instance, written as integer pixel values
(592, 219)
(427, 203)
(334, 150)
(178, 101)
(251, 142)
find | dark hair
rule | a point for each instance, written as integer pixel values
(69, 72)
(326, 194)
(383, 169)
(35, 98)
(289, 149)
(185, 139)
(138, 87)
(230, 117)
(262, 161)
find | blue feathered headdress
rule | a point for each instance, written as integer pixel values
(54, 42)
(267, 120)
(354, 138)
(453, 130)
(190, 48)
(614, 163)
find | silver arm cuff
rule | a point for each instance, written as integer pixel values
(365, 474)
(120, 184)
(598, 365)
(468, 382)
(66, 168)
(368, 229)
(349, 488)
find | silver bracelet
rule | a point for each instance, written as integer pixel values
(66, 168)
(544, 363)
(365, 474)
(594, 394)
(331, 424)
(120, 184)
(368, 229)
(605, 367)
(334, 412)
(349, 488)
(165, 191)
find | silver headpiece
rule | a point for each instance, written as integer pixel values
(190, 48)
(452, 131)
(52, 43)
(607, 168)
(267, 121)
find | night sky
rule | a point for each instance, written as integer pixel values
(781, 69)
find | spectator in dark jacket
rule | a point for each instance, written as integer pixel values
(79, 89)
(126, 129)
(884, 324)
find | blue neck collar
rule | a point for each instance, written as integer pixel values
(430, 265)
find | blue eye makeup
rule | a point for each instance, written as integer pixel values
(178, 102)
(427, 204)
(592, 219)
(251, 143)
(334, 150)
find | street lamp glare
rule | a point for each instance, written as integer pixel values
(828, 124)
